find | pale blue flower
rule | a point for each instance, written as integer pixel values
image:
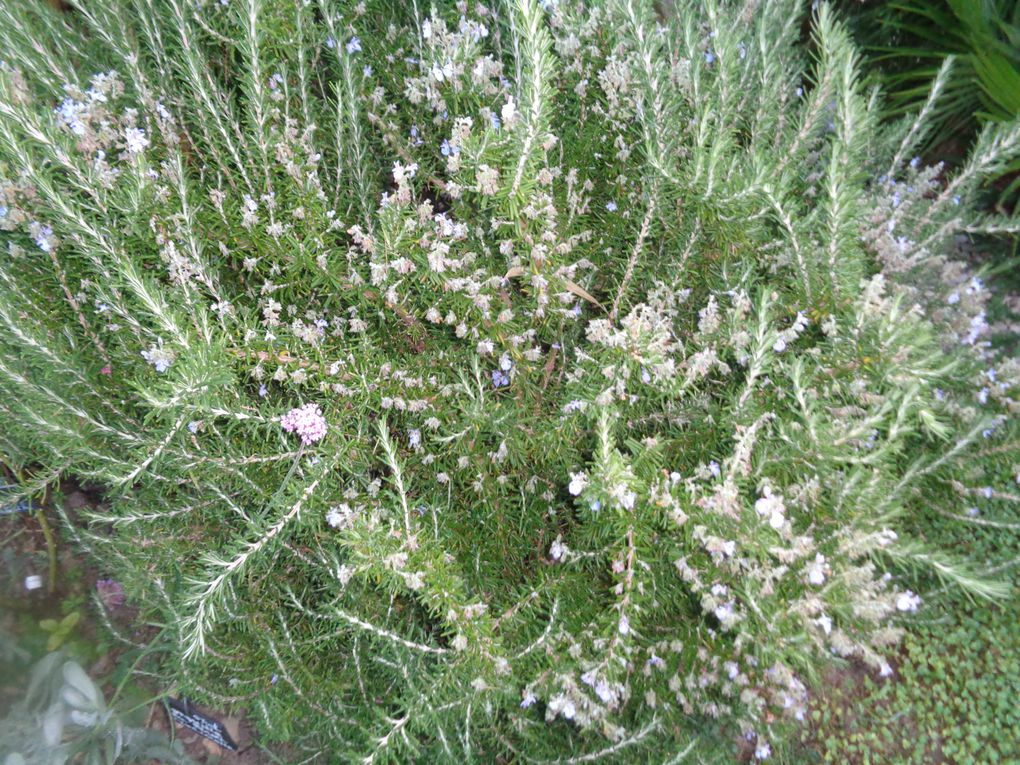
(43, 239)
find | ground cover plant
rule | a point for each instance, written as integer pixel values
(952, 700)
(955, 676)
(524, 381)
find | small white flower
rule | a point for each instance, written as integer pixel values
(444, 72)
(340, 516)
(557, 549)
(509, 111)
(43, 236)
(724, 613)
(135, 140)
(159, 357)
(578, 482)
(772, 506)
(908, 601)
(887, 537)
(816, 571)
(624, 496)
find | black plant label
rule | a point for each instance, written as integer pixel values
(184, 714)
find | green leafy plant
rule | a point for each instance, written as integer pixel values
(64, 718)
(984, 38)
(977, 41)
(60, 631)
(514, 382)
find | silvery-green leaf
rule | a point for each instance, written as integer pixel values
(118, 741)
(74, 699)
(14, 758)
(83, 719)
(42, 676)
(53, 725)
(75, 677)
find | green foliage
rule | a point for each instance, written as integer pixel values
(983, 36)
(64, 717)
(957, 679)
(60, 631)
(535, 382)
(912, 40)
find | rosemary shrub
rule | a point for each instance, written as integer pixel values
(518, 381)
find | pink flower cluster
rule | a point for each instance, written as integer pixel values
(307, 421)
